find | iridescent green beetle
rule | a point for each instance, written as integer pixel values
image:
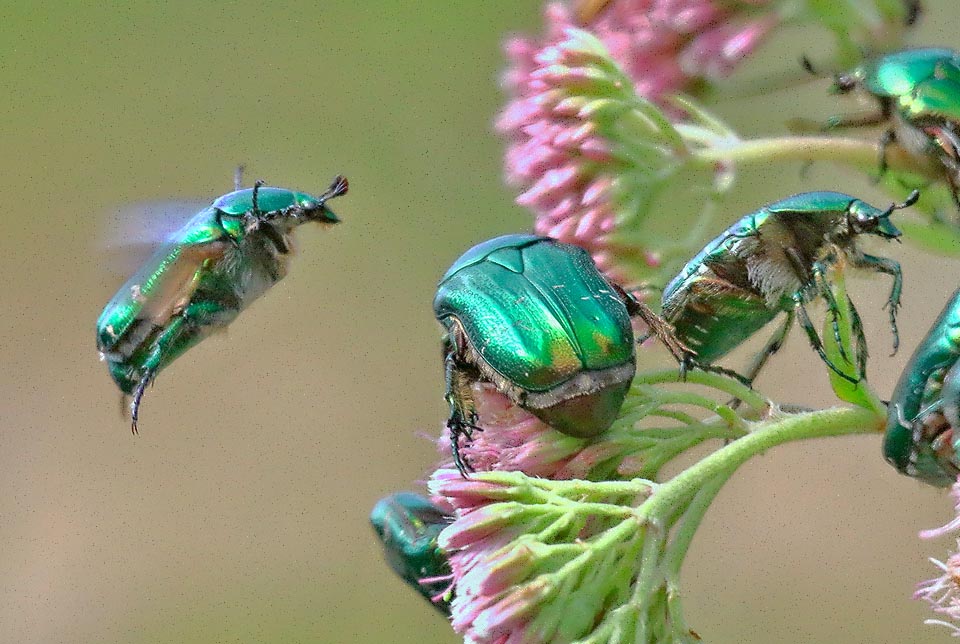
(925, 407)
(536, 318)
(771, 261)
(227, 255)
(408, 526)
(918, 93)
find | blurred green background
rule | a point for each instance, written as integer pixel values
(240, 512)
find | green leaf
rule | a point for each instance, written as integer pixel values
(846, 360)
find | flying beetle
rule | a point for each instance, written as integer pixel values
(775, 260)
(917, 93)
(408, 526)
(537, 319)
(199, 280)
(924, 410)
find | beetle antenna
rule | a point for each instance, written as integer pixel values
(910, 200)
(807, 65)
(339, 187)
(256, 190)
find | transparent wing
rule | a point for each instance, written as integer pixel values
(130, 234)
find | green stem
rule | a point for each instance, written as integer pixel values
(708, 379)
(837, 421)
(813, 148)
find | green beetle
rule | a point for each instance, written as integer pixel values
(918, 95)
(771, 261)
(408, 526)
(227, 255)
(535, 318)
(925, 407)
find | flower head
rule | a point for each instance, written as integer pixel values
(591, 156)
(540, 561)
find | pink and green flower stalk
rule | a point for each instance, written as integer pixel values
(541, 560)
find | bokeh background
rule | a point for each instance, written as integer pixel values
(240, 512)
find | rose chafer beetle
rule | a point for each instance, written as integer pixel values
(535, 318)
(408, 526)
(918, 95)
(771, 261)
(227, 255)
(925, 407)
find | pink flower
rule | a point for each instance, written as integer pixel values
(514, 440)
(943, 592)
(565, 156)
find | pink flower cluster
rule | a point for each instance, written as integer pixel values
(514, 440)
(943, 592)
(556, 154)
(488, 605)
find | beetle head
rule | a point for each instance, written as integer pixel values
(865, 219)
(315, 209)
(844, 83)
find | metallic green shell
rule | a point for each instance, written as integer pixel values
(741, 280)
(900, 72)
(201, 279)
(269, 200)
(408, 526)
(537, 312)
(127, 304)
(924, 404)
(923, 83)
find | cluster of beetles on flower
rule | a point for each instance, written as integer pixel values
(537, 320)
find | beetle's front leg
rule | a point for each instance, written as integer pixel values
(890, 267)
(460, 378)
(814, 339)
(821, 286)
(814, 279)
(856, 325)
(886, 140)
(857, 120)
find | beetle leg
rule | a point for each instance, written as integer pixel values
(860, 120)
(182, 331)
(462, 421)
(813, 279)
(890, 267)
(815, 339)
(137, 396)
(657, 326)
(886, 139)
(822, 288)
(856, 325)
(152, 363)
(773, 345)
